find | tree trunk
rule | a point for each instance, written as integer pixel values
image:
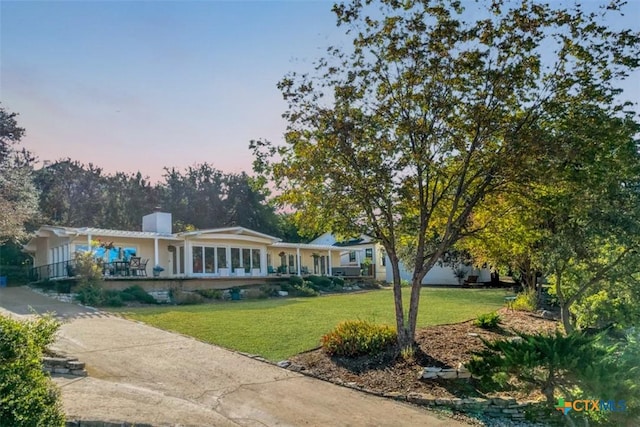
(404, 338)
(565, 315)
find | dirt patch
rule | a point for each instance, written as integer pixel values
(445, 346)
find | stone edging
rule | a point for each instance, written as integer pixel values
(505, 408)
(64, 366)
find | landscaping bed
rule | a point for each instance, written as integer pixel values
(445, 346)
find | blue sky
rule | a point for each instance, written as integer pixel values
(140, 85)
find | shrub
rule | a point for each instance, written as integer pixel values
(210, 293)
(319, 282)
(305, 290)
(27, 395)
(548, 362)
(112, 299)
(90, 294)
(185, 298)
(137, 293)
(488, 320)
(358, 338)
(287, 287)
(269, 291)
(526, 301)
(295, 281)
(337, 281)
(63, 286)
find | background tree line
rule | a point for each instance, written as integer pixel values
(69, 193)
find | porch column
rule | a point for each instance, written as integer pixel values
(330, 268)
(155, 252)
(373, 261)
(263, 262)
(298, 259)
(187, 252)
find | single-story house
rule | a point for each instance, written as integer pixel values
(359, 256)
(213, 253)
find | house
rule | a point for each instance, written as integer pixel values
(229, 252)
(359, 256)
(443, 275)
(364, 253)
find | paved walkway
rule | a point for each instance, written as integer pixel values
(140, 374)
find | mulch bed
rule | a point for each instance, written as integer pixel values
(445, 346)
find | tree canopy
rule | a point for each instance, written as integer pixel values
(18, 196)
(432, 111)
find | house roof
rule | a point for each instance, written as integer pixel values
(286, 245)
(229, 230)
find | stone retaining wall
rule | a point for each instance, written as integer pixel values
(64, 366)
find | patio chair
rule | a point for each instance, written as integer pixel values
(137, 266)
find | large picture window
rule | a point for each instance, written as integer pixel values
(222, 257)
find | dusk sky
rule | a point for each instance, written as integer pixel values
(141, 85)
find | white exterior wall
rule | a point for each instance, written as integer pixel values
(440, 275)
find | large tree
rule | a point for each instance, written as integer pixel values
(18, 196)
(430, 111)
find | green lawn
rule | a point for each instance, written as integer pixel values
(279, 328)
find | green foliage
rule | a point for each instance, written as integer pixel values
(319, 282)
(210, 293)
(269, 291)
(90, 294)
(137, 293)
(27, 395)
(415, 165)
(617, 305)
(111, 298)
(185, 298)
(305, 290)
(624, 382)
(488, 320)
(353, 338)
(18, 195)
(295, 281)
(549, 362)
(526, 301)
(337, 280)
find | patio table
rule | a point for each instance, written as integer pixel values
(121, 268)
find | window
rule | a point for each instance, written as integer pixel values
(352, 256)
(209, 260)
(368, 253)
(246, 260)
(222, 257)
(196, 257)
(255, 258)
(235, 259)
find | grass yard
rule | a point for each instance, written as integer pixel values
(279, 328)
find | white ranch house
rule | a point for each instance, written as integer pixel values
(215, 253)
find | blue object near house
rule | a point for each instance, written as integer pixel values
(3, 281)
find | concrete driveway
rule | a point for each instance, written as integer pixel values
(143, 375)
